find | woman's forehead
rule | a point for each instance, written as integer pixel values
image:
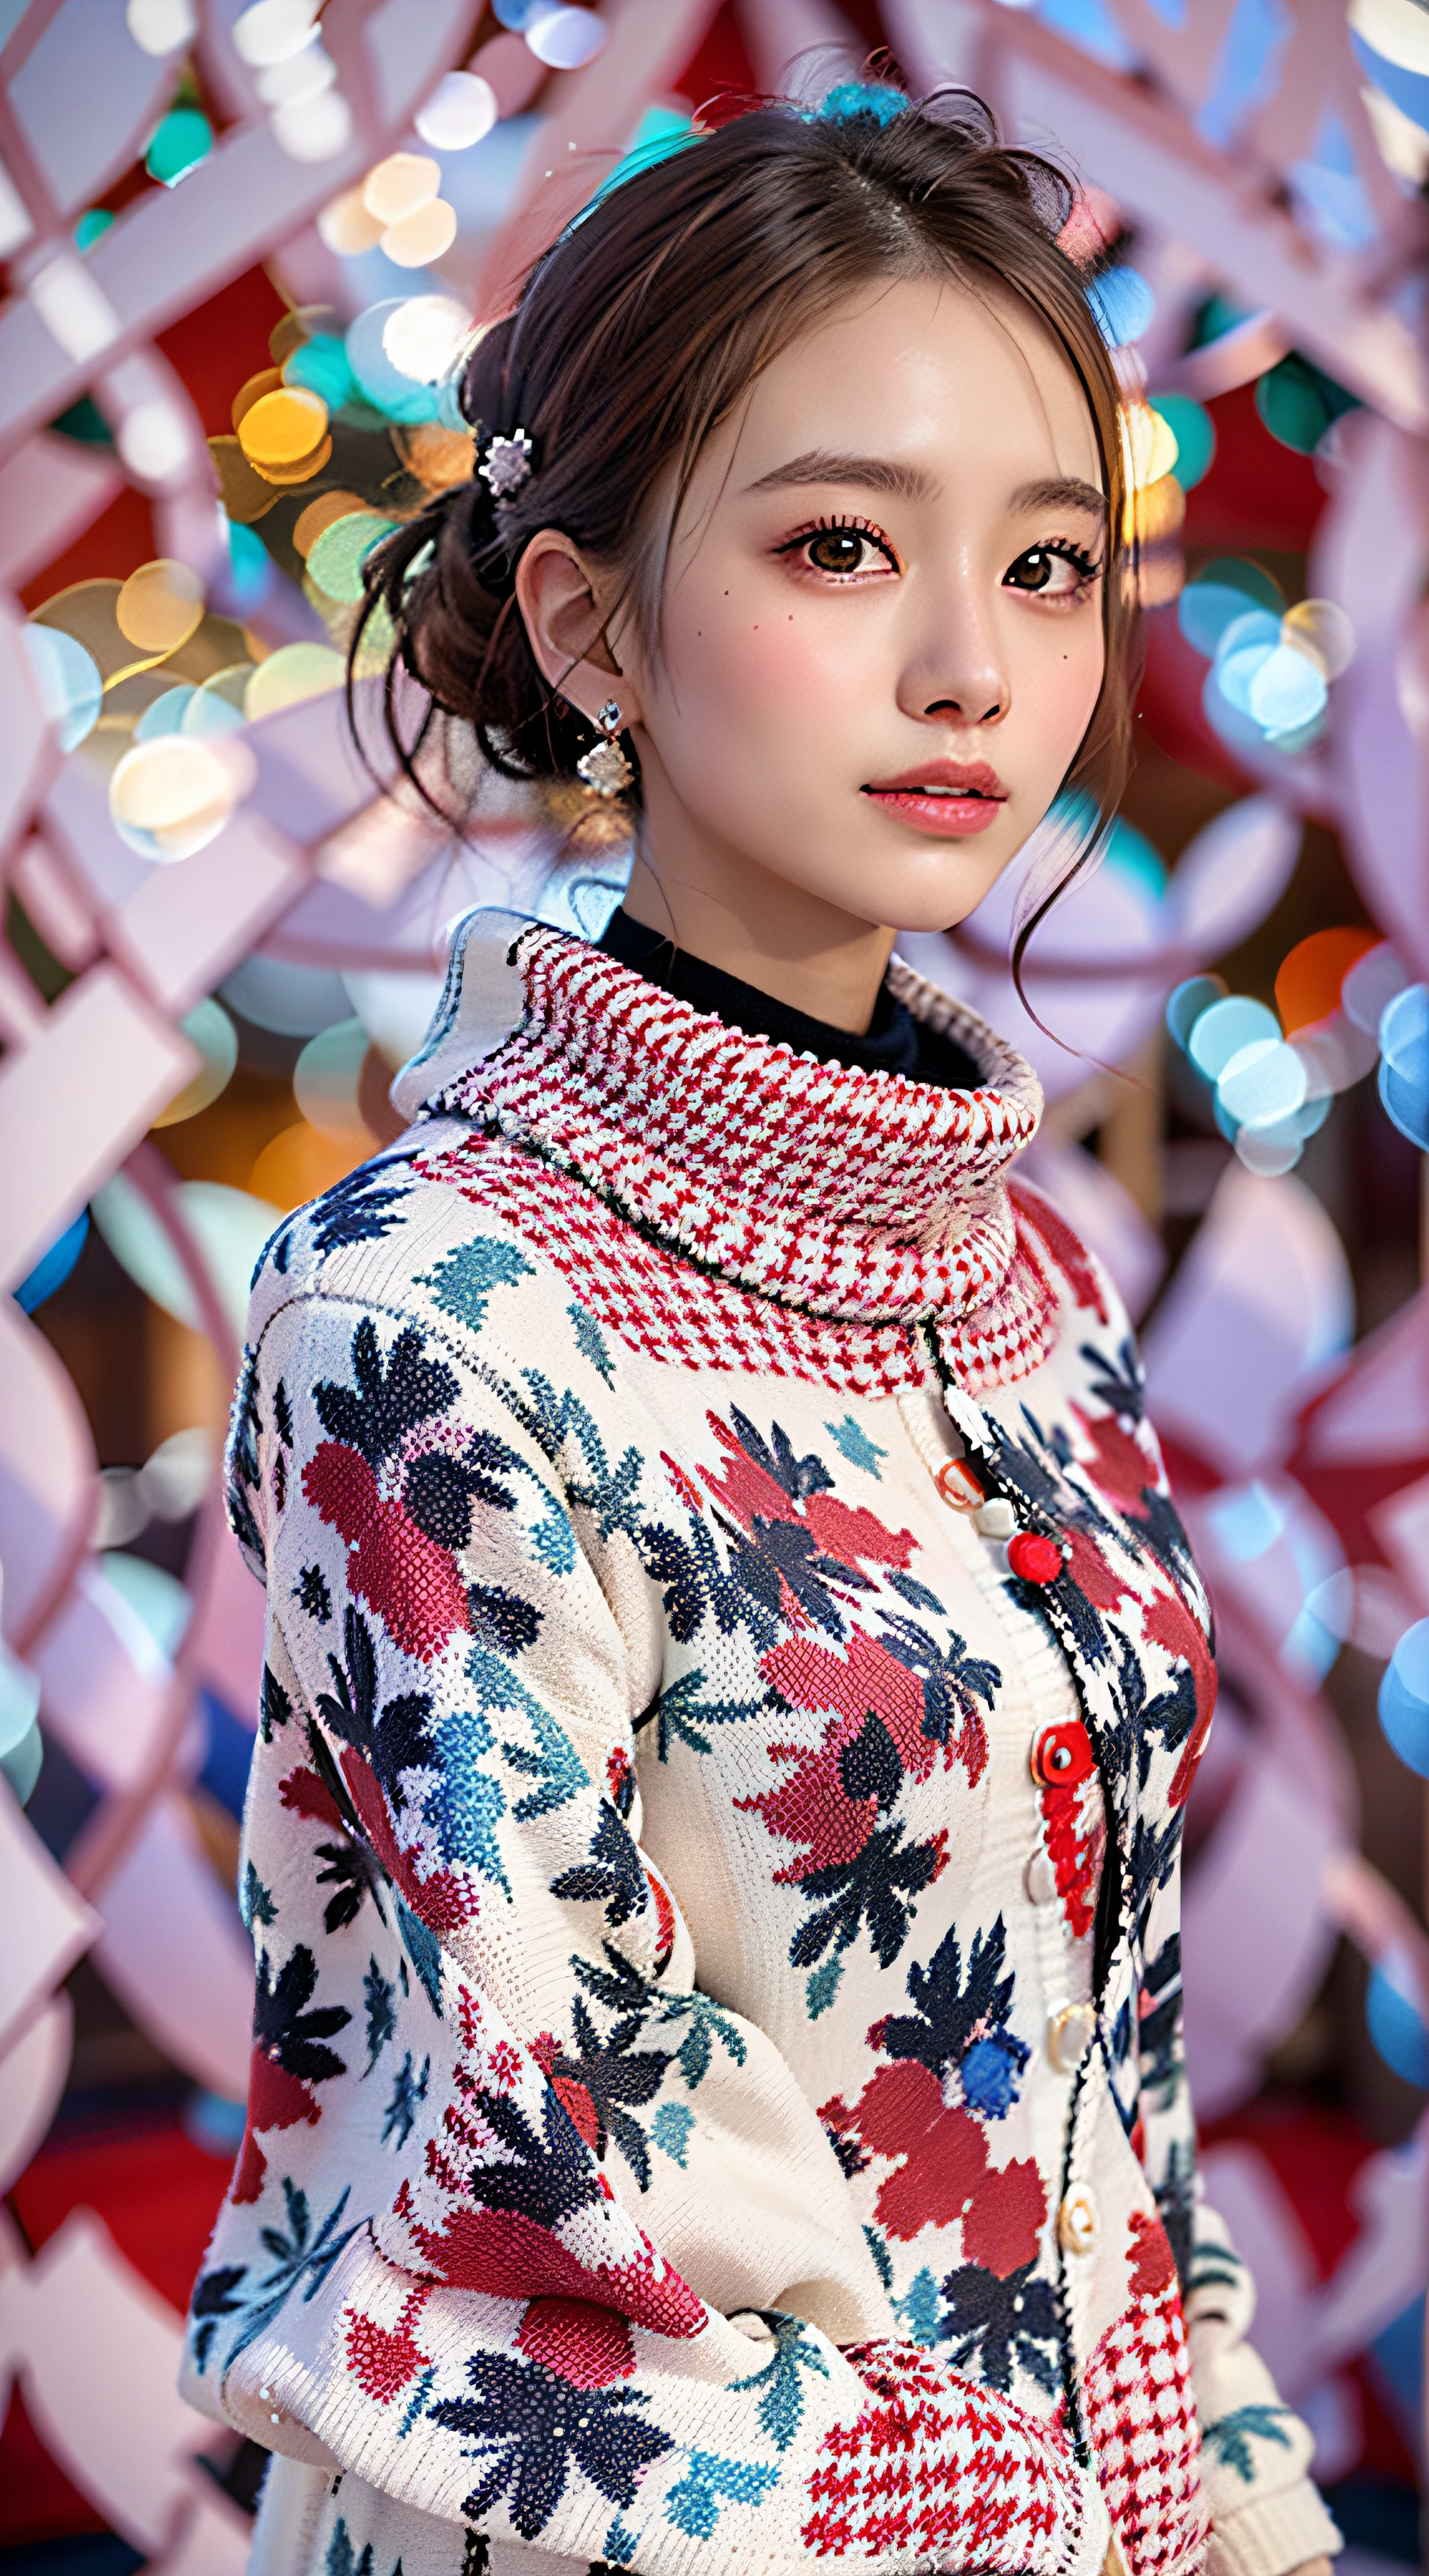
(935, 375)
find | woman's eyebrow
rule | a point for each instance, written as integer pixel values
(1060, 492)
(910, 483)
(869, 473)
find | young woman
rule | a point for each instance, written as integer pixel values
(734, 1669)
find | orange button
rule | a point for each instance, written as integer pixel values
(1062, 1755)
(959, 1486)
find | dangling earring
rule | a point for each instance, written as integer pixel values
(604, 768)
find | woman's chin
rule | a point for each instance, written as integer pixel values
(936, 885)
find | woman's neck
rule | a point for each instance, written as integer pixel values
(769, 933)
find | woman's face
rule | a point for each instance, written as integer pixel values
(882, 623)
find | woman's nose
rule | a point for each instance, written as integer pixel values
(958, 676)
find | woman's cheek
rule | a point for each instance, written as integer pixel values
(1065, 692)
(761, 720)
(774, 666)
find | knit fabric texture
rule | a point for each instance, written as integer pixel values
(717, 2093)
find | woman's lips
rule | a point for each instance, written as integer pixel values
(948, 813)
(951, 799)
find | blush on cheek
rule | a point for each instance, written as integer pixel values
(769, 668)
(790, 663)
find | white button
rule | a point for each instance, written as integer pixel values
(1068, 2036)
(997, 1519)
(1040, 1879)
(1077, 2221)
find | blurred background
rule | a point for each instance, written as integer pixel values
(245, 245)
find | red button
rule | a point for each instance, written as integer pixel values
(1062, 1755)
(1036, 1560)
(959, 1486)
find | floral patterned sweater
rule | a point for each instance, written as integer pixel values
(734, 1673)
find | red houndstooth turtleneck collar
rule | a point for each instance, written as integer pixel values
(849, 1197)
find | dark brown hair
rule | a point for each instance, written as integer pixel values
(641, 329)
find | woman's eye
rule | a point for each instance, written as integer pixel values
(1051, 573)
(844, 551)
(838, 550)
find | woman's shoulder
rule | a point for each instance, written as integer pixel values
(412, 1235)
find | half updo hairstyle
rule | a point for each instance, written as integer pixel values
(642, 328)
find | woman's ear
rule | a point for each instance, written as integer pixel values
(564, 621)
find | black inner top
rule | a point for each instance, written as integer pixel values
(895, 1041)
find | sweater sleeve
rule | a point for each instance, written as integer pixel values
(491, 2270)
(1267, 2514)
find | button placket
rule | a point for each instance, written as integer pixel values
(1034, 1555)
(1030, 1554)
(1059, 1754)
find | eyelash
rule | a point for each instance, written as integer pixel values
(1086, 566)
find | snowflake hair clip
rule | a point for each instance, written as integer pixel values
(506, 464)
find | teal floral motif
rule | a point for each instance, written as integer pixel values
(917, 2310)
(591, 1342)
(552, 1538)
(693, 2506)
(425, 1952)
(462, 1284)
(554, 1762)
(781, 2406)
(416, 2409)
(853, 1440)
(670, 2130)
(1231, 2437)
(822, 1986)
(620, 2545)
(705, 2021)
(464, 1804)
